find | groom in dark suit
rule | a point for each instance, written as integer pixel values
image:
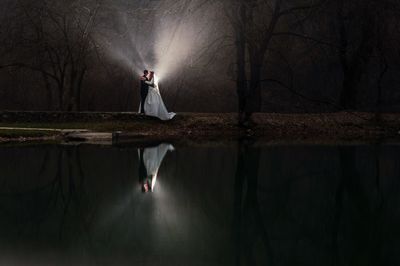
(144, 90)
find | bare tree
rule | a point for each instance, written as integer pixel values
(255, 23)
(62, 51)
(56, 42)
(356, 27)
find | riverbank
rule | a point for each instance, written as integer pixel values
(326, 127)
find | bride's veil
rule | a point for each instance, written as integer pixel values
(156, 82)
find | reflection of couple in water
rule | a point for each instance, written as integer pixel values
(150, 159)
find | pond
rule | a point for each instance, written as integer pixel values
(231, 204)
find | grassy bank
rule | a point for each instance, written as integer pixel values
(199, 126)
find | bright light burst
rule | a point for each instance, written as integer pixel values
(165, 41)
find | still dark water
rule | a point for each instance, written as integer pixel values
(227, 205)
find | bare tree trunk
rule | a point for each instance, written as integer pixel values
(49, 93)
(378, 104)
(241, 79)
(255, 88)
(382, 32)
(60, 97)
(257, 50)
(79, 89)
(348, 96)
(355, 63)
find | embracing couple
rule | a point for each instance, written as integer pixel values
(151, 102)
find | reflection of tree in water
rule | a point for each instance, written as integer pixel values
(248, 223)
(74, 199)
(70, 165)
(62, 167)
(358, 212)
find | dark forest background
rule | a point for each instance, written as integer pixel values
(269, 56)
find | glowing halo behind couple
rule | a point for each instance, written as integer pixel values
(151, 102)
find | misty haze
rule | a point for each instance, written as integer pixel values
(87, 55)
(199, 132)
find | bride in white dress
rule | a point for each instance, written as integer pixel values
(154, 105)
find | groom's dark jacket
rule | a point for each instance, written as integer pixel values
(144, 88)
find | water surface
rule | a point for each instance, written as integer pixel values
(235, 204)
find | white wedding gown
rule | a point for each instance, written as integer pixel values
(154, 105)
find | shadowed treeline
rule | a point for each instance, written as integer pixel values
(213, 56)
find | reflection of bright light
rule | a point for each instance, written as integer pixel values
(153, 182)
